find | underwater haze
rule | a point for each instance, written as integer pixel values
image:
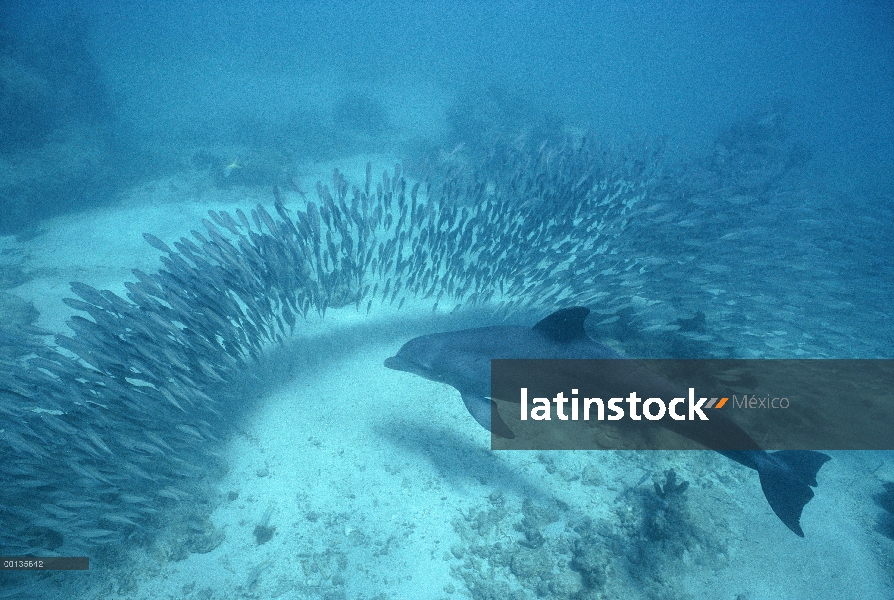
(219, 222)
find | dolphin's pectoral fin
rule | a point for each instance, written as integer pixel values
(497, 425)
(484, 410)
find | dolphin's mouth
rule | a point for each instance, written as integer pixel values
(397, 363)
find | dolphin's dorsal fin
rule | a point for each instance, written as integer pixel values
(564, 325)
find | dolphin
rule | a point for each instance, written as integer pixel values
(461, 359)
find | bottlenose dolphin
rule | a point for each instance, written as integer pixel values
(461, 359)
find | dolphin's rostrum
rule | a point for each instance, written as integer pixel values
(461, 359)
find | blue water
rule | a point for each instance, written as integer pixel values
(766, 233)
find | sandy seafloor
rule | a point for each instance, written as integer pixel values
(380, 485)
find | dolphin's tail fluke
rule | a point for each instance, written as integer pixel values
(786, 478)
